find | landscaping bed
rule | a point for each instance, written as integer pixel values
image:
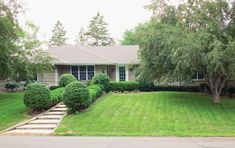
(153, 114)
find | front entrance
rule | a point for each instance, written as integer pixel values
(122, 73)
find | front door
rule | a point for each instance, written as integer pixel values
(122, 73)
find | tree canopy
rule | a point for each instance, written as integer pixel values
(58, 35)
(194, 36)
(96, 33)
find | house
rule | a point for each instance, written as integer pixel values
(86, 61)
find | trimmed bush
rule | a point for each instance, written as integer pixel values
(57, 95)
(37, 96)
(95, 91)
(101, 79)
(123, 86)
(76, 96)
(65, 79)
(11, 86)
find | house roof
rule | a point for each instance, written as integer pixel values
(94, 55)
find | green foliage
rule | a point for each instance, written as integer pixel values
(56, 95)
(37, 96)
(96, 34)
(76, 96)
(58, 35)
(95, 91)
(54, 87)
(101, 79)
(65, 79)
(123, 86)
(196, 36)
(11, 85)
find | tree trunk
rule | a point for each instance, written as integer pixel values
(216, 84)
(216, 97)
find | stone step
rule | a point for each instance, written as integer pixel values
(37, 126)
(31, 131)
(61, 106)
(58, 109)
(50, 117)
(54, 113)
(45, 121)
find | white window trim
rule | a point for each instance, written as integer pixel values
(197, 79)
(126, 72)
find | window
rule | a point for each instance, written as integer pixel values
(90, 72)
(74, 71)
(83, 73)
(198, 76)
(122, 74)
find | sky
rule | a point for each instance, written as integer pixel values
(74, 14)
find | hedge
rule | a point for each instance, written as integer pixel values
(123, 86)
(95, 91)
(57, 95)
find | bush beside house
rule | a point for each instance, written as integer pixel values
(101, 79)
(123, 86)
(65, 79)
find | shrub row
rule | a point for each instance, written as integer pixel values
(123, 86)
(95, 91)
(149, 86)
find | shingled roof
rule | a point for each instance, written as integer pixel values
(94, 55)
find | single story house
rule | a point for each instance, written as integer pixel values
(85, 61)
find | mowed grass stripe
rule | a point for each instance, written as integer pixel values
(153, 114)
(12, 109)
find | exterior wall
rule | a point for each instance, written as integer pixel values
(101, 69)
(62, 69)
(131, 75)
(112, 72)
(47, 78)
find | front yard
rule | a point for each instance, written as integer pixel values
(153, 114)
(12, 109)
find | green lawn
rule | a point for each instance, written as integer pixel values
(12, 109)
(153, 114)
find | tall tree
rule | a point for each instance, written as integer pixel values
(58, 35)
(10, 32)
(97, 32)
(201, 38)
(81, 38)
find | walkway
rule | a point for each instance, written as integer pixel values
(114, 142)
(45, 123)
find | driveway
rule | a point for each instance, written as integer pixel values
(114, 142)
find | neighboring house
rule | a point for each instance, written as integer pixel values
(86, 61)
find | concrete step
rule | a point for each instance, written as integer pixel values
(54, 113)
(37, 126)
(61, 106)
(31, 131)
(45, 121)
(58, 109)
(50, 117)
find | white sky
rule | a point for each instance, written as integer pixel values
(74, 14)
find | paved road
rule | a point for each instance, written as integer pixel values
(114, 142)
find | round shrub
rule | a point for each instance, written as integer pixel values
(65, 79)
(37, 96)
(76, 96)
(101, 79)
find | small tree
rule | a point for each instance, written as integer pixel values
(58, 35)
(81, 38)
